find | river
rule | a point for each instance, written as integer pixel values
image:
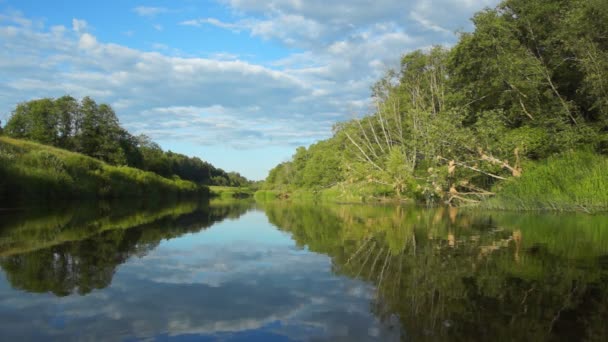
(279, 271)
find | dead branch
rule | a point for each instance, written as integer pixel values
(515, 171)
(474, 169)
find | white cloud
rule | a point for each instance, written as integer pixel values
(213, 22)
(87, 41)
(428, 24)
(79, 26)
(16, 17)
(337, 18)
(150, 12)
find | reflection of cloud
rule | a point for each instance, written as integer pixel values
(219, 289)
(218, 264)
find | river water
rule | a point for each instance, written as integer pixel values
(278, 271)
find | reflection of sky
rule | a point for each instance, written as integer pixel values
(252, 228)
(238, 280)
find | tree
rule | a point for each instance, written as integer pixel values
(35, 120)
(154, 159)
(88, 132)
(128, 144)
(100, 134)
(68, 113)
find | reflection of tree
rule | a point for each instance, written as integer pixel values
(84, 265)
(230, 208)
(463, 276)
(74, 266)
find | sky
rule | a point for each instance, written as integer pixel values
(238, 83)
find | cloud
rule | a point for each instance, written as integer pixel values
(79, 26)
(16, 17)
(150, 12)
(428, 24)
(213, 22)
(359, 13)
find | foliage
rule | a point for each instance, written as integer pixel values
(317, 167)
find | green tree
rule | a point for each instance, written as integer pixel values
(100, 133)
(154, 159)
(68, 113)
(279, 176)
(324, 165)
(35, 120)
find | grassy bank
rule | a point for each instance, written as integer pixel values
(573, 181)
(362, 192)
(31, 172)
(230, 192)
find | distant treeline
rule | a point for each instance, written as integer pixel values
(94, 130)
(529, 85)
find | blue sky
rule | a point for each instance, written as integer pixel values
(239, 83)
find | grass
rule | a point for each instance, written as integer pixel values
(362, 192)
(31, 172)
(573, 181)
(230, 192)
(266, 195)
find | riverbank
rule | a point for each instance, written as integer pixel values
(32, 172)
(572, 181)
(230, 192)
(339, 193)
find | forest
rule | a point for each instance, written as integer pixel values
(514, 116)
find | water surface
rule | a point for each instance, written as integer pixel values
(237, 270)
